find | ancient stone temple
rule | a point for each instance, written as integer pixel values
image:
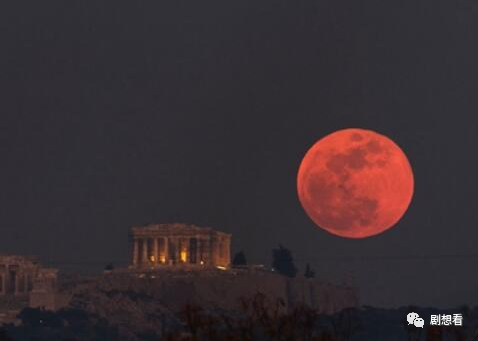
(24, 282)
(179, 245)
(17, 274)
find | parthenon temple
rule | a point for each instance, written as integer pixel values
(168, 245)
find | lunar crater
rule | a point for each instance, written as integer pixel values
(349, 181)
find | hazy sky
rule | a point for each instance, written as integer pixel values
(200, 111)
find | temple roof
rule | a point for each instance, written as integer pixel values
(175, 229)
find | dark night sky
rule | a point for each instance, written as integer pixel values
(200, 111)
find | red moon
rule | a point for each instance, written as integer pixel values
(355, 183)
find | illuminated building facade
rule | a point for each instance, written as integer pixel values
(179, 245)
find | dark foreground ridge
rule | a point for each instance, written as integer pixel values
(257, 318)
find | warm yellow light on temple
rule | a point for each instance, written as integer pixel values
(176, 245)
(184, 256)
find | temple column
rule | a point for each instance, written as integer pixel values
(198, 250)
(156, 251)
(2, 279)
(166, 250)
(223, 254)
(178, 250)
(135, 251)
(228, 252)
(145, 250)
(16, 290)
(202, 251)
(185, 246)
(208, 254)
(177, 246)
(220, 252)
(172, 251)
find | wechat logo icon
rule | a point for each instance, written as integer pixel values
(414, 318)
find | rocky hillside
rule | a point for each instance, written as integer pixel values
(174, 289)
(139, 302)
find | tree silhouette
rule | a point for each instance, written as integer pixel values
(239, 259)
(309, 273)
(282, 262)
(109, 267)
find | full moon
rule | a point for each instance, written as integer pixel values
(355, 183)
